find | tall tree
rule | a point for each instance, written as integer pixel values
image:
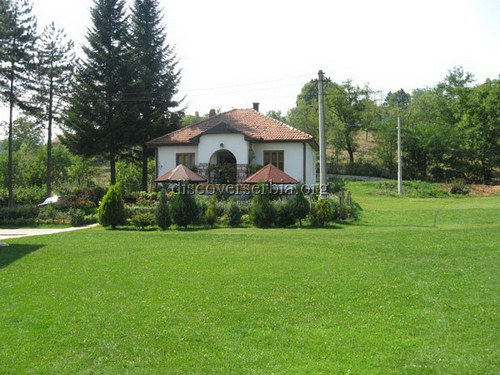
(480, 126)
(54, 69)
(100, 119)
(157, 78)
(18, 38)
(352, 109)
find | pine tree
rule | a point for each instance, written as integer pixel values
(156, 78)
(54, 69)
(17, 48)
(100, 118)
(112, 209)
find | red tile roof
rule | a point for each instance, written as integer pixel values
(271, 174)
(180, 173)
(249, 122)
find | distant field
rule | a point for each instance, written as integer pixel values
(412, 288)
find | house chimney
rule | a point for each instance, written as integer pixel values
(211, 113)
(256, 106)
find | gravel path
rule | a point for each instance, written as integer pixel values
(25, 232)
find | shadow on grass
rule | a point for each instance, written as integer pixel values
(13, 252)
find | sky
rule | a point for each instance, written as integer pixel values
(235, 52)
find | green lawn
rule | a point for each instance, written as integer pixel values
(413, 288)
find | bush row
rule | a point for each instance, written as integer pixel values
(263, 211)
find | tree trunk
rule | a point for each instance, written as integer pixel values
(112, 165)
(10, 185)
(49, 142)
(144, 168)
(351, 156)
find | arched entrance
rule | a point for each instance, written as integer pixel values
(222, 168)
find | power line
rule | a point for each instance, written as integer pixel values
(247, 84)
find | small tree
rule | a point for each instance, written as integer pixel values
(234, 215)
(184, 208)
(299, 205)
(261, 210)
(112, 209)
(162, 212)
(211, 211)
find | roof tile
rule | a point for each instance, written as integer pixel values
(247, 121)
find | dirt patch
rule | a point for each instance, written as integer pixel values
(477, 189)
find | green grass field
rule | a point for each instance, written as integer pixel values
(412, 288)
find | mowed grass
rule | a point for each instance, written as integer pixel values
(412, 288)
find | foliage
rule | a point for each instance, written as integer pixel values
(284, 213)
(211, 211)
(162, 212)
(184, 209)
(111, 209)
(17, 48)
(459, 187)
(76, 217)
(54, 67)
(299, 205)
(142, 219)
(49, 214)
(156, 78)
(416, 189)
(261, 210)
(101, 118)
(28, 195)
(17, 214)
(480, 126)
(321, 213)
(234, 214)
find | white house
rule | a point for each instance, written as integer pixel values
(235, 144)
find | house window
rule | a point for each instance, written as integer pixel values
(186, 159)
(276, 158)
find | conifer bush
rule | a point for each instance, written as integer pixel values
(112, 209)
(261, 210)
(162, 213)
(211, 211)
(184, 210)
(234, 214)
(299, 205)
(284, 214)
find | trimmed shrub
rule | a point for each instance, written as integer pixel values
(234, 214)
(211, 211)
(300, 205)
(162, 212)
(284, 213)
(321, 213)
(76, 217)
(184, 210)
(261, 210)
(142, 220)
(112, 209)
(20, 215)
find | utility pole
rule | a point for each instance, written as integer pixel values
(400, 163)
(322, 147)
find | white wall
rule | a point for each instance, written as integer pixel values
(166, 156)
(210, 143)
(293, 154)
